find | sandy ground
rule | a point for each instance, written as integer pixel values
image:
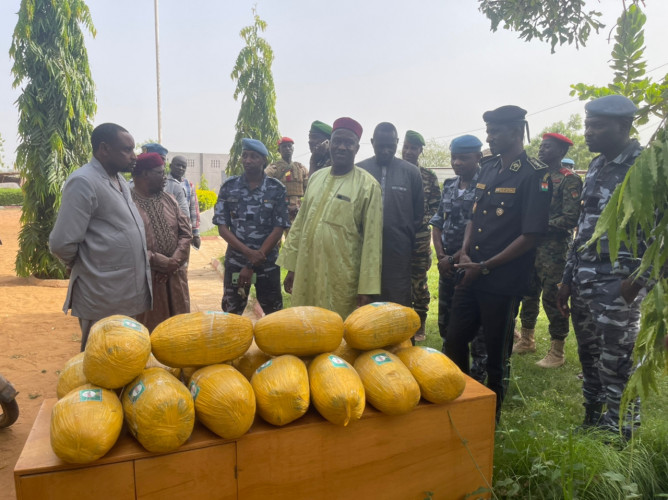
(36, 338)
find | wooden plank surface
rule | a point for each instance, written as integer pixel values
(207, 473)
(104, 482)
(401, 457)
(311, 458)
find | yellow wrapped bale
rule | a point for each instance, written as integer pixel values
(224, 400)
(336, 389)
(159, 410)
(302, 331)
(379, 324)
(346, 352)
(388, 384)
(251, 360)
(117, 350)
(439, 378)
(395, 348)
(281, 389)
(85, 424)
(201, 338)
(71, 376)
(154, 363)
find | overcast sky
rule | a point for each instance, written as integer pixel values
(427, 65)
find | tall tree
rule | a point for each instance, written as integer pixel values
(557, 21)
(629, 68)
(56, 108)
(435, 154)
(255, 85)
(573, 129)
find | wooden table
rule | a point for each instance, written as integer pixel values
(443, 449)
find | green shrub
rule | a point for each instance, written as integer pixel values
(11, 196)
(206, 199)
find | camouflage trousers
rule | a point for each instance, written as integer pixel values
(606, 328)
(267, 289)
(420, 264)
(548, 270)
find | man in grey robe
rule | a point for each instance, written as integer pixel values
(403, 207)
(99, 235)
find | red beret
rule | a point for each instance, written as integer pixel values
(147, 161)
(285, 139)
(350, 124)
(558, 137)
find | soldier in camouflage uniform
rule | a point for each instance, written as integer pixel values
(449, 225)
(251, 214)
(421, 259)
(318, 143)
(605, 297)
(291, 173)
(551, 253)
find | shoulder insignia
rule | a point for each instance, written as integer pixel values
(480, 186)
(488, 159)
(575, 194)
(536, 163)
(566, 171)
(515, 166)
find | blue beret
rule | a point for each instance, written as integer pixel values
(613, 105)
(465, 144)
(154, 147)
(567, 161)
(254, 145)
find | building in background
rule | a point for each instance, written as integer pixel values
(211, 166)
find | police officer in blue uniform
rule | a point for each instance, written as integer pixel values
(510, 212)
(251, 214)
(605, 296)
(449, 224)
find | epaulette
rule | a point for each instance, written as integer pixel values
(230, 179)
(566, 171)
(536, 163)
(488, 159)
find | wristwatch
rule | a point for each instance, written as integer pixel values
(484, 270)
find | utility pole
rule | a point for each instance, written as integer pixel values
(157, 68)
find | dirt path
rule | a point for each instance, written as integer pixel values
(36, 338)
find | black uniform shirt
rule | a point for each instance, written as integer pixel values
(508, 204)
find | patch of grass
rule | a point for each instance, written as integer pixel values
(211, 232)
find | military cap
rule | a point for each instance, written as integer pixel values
(350, 124)
(254, 145)
(567, 161)
(505, 114)
(558, 137)
(285, 139)
(319, 127)
(465, 144)
(412, 137)
(616, 106)
(147, 161)
(154, 147)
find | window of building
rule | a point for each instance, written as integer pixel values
(190, 163)
(215, 163)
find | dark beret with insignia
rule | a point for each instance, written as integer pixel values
(254, 145)
(616, 106)
(505, 114)
(465, 144)
(413, 137)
